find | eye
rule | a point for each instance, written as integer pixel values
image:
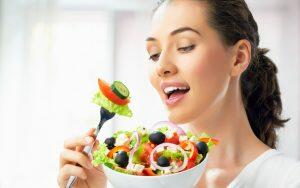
(187, 48)
(154, 57)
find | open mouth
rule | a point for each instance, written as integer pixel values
(172, 92)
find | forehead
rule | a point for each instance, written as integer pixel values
(178, 13)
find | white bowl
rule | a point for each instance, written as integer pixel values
(186, 179)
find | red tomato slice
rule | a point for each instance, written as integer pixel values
(179, 163)
(106, 90)
(194, 150)
(174, 139)
(149, 172)
(145, 156)
(116, 149)
(190, 164)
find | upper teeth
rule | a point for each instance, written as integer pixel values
(170, 89)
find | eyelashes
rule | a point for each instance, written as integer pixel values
(154, 57)
(185, 49)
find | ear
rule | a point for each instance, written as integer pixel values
(241, 57)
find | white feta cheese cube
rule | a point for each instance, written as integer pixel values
(138, 168)
(169, 133)
(130, 166)
(183, 138)
(167, 171)
(121, 140)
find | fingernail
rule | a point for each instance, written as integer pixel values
(88, 140)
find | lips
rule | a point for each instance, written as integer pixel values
(174, 91)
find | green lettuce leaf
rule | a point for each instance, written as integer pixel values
(163, 129)
(133, 142)
(199, 158)
(173, 155)
(144, 138)
(104, 102)
(137, 154)
(100, 157)
(189, 134)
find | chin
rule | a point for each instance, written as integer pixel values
(180, 116)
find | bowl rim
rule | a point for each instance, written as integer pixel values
(165, 175)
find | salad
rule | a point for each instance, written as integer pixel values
(163, 149)
(114, 97)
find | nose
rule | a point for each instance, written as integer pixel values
(165, 66)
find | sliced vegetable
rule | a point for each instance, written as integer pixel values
(139, 152)
(122, 159)
(190, 164)
(163, 161)
(207, 139)
(188, 145)
(107, 91)
(202, 148)
(174, 139)
(120, 89)
(135, 135)
(145, 155)
(110, 142)
(157, 137)
(174, 147)
(116, 149)
(172, 155)
(149, 172)
(100, 157)
(169, 125)
(101, 100)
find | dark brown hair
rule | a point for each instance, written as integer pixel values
(233, 20)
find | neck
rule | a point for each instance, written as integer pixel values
(227, 121)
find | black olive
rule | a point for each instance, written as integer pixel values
(157, 137)
(110, 142)
(163, 161)
(122, 159)
(202, 148)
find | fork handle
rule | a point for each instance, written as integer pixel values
(87, 150)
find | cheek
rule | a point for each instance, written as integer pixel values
(208, 77)
(208, 69)
(152, 75)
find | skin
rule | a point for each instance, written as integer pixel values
(213, 104)
(88, 176)
(212, 70)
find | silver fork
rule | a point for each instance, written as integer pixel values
(104, 116)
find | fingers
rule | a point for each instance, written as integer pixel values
(96, 145)
(89, 133)
(70, 156)
(70, 170)
(72, 143)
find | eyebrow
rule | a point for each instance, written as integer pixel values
(176, 31)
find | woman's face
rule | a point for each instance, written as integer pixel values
(187, 54)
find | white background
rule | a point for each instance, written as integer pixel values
(52, 52)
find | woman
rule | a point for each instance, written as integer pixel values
(209, 49)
